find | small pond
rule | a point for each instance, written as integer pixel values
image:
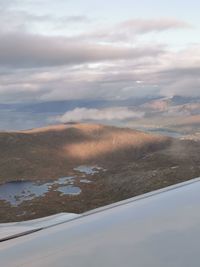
(17, 192)
(90, 170)
(85, 181)
(69, 190)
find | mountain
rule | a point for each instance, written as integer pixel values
(54, 150)
(99, 164)
(173, 116)
(156, 112)
(62, 106)
(176, 105)
(19, 116)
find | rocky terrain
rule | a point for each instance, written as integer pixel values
(175, 116)
(126, 163)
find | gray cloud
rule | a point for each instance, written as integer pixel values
(4, 4)
(101, 64)
(13, 20)
(130, 29)
(142, 26)
(164, 75)
(75, 19)
(189, 87)
(85, 114)
(25, 50)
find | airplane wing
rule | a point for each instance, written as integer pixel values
(161, 228)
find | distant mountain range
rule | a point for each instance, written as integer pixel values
(158, 113)
(65, 105)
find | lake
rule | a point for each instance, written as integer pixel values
(17, 192)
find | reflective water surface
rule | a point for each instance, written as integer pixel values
(69, 190)
(17, 192)
(89, 169)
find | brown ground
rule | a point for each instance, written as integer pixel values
(136, 163)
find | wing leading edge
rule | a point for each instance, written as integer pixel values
(156, 229)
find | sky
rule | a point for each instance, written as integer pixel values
(108, 50)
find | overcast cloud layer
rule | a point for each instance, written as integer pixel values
(49, 54)
(107, 114)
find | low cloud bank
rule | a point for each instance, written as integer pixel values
(83, 114)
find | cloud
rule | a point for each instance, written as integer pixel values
(143, 26)
(81, 63)
(168, 74)
(22, 21)
(107, 114)
(26, 50)
(183, 86)
(74, 19)
(174, 73)
(130, 29)
(180, 73)
(4, 4)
